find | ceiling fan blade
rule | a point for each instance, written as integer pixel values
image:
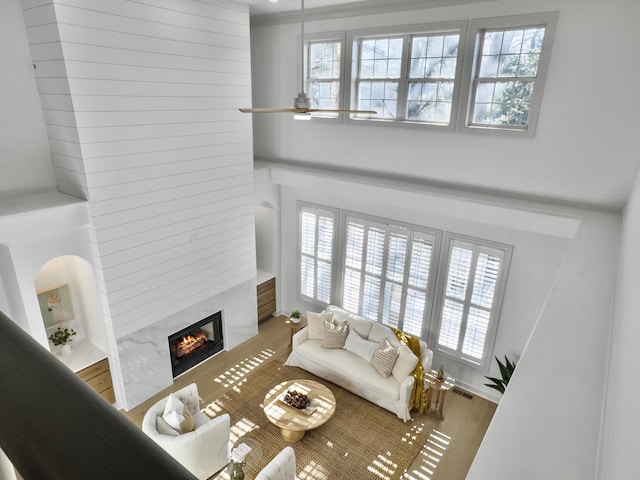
(359, 112)
(272, 110)
(304, 110)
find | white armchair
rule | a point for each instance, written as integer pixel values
(282, 467)
(204, 450)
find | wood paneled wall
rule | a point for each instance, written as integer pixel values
(141, 106)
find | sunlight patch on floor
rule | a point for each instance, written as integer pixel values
(430, 456)
(313, 471)
(239, 372)
(412, 435)
(240, 429)
(383, 468)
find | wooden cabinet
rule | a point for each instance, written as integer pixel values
(266, 299)
(98, 377)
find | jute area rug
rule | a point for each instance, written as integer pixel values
(360, 441)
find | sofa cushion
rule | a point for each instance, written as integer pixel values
(381, 332)
(358, 345)
(360, 376)
(315, 324)
(359, 324)
(334, 335)
(384, 358)
(405, 363)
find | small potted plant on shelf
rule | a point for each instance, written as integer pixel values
(61, 337)
(295, 316)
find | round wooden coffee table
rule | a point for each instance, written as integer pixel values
(293, 423)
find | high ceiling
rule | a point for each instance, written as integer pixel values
(263, 7)
(266, 7)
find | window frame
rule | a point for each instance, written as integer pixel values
(300, 206)
(472, 62)
(501, 287)
(433, 266)
(352, 64)
(333, 36)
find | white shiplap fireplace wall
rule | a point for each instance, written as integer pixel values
(140, 101)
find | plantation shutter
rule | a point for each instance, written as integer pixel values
(469, 303)
(386, 275)
(317, 232)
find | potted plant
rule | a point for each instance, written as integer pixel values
(506, 370)
(61, 337)
(295, 316)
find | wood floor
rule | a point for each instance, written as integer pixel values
(453, 441)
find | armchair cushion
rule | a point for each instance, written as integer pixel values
(177, 415)
(203, 451)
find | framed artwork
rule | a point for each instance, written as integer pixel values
(55, 305)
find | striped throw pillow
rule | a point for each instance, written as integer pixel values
(384, 358)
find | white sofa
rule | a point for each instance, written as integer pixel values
(352, 372)
(204, 450)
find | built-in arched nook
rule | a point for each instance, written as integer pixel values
(72, 280)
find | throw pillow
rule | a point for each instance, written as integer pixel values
(174, 412)
(315, 323)
(384, 358)
(335, 335)
(381, 332)
(189, 422)
(164, 428)
(358, 345)
(405, 363)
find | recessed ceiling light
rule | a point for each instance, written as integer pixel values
(273, 1)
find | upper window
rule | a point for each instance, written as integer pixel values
(482, 75)
(323, 74)
(323, 71)
(472, 296)
(433, 61)
(407, 76)
(512, 55)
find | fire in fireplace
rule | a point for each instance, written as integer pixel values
(196, 343)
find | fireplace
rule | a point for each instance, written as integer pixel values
(196, 343)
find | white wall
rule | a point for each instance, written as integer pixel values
(25, 160)
(548, 422)
(619, 459)
(140, 102)
(540, 241)
(583, 149)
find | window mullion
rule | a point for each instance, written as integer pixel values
(363, 267)
(403, 81)
(383, 272)
(316, 243)
(405, 279)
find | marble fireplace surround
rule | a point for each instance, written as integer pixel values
(145, 363)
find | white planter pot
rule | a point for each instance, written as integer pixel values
(65, 349)
(294, 320)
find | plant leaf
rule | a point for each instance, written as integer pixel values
(504, 371)
(498, 385)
